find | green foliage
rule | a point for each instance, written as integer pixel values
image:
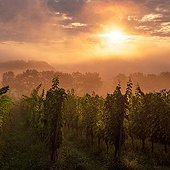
(45, 115)
(91, 114)
(149, 116)
(20, 147)
(6, 104)
(53, 114)
(84, 114)
(71, 116)
(140, 116)
(34, 107)
(115, 113)
(75, 154)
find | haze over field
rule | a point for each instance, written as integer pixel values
(106, 36)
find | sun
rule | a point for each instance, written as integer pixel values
(114, 37)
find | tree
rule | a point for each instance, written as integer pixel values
(115, 113)
(86, 83)
(165, 118)
(6, 104)
(70, 111)
(90, 114)
(33, 106)
(53, 112)
(27, 81)
(139, 115)
(45, 115)
(91, 82)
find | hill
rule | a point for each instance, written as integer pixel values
(21, 65)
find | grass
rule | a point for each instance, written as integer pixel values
(20, 149)
(138, 159)
(76, 153)
(73, 157)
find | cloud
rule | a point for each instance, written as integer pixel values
(132, 14)
(37, 19)
(35, 10)
(65, 31)
(27, 20)
(152, 18)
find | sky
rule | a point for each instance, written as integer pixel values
(88, 35)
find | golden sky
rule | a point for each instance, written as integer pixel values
(69, 32)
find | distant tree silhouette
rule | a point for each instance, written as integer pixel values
(25, 82)
(86, 83)
(28, 80)
(91, 82)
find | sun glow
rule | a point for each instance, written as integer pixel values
(114, 37)
(117, 43)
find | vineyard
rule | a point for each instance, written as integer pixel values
(60, 130)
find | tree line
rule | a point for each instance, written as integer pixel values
(148, 82)
(25, 82)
